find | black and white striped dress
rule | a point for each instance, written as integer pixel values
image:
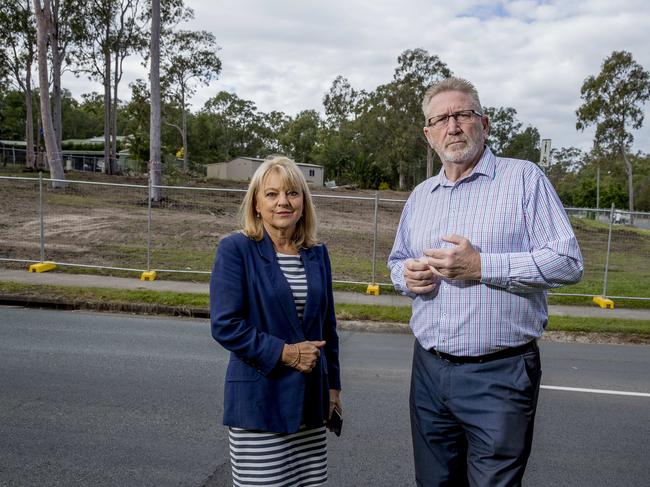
(280, 459)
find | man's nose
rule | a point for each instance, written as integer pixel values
(452, 125)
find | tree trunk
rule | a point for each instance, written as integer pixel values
(43, 16)
(184, 133)
(114, 115)
(155, 167)
(56, 93)
(57, 60)
(402, 176)
(107, 105)
(630, 184)
(30, 158)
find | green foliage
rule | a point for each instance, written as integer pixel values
(300, 136)
(383, 186)
(613, 102)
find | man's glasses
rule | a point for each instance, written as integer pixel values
(462, 116)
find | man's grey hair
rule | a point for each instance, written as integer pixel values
(451, 84)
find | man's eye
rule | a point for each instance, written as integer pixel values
(440, 121)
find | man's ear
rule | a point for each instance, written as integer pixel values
(426, 136)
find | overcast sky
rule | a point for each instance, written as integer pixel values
(530, 55)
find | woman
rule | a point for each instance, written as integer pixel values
(271, 306)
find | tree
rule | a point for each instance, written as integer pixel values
(188, 58)
(128, 37)
(18, 35)
(155, 169)
(67, 30)
(613, 101)
(43, 28)
(504, 126)
(416, 70)
(301, 136)
(340, 103)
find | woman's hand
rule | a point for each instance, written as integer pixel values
(302, 356)
(335, 402)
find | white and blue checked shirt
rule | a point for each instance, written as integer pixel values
(511, 214)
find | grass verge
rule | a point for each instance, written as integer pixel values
(360, 312)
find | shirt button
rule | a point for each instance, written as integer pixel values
(444, 315)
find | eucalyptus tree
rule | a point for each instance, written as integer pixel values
(18, 38)
(44, 26)
(113, 30)
(613, 102)
(416, 70)
(67, 30)
(504, 126)
(155, 162)
(301, 136)
(188, 59)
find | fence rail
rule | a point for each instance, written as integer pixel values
(116, 227)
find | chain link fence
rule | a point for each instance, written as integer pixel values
(117, 229)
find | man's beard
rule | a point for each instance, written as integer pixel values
(458, 155)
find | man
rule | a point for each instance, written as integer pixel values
(476, 248)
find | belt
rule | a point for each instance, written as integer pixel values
(489, 357)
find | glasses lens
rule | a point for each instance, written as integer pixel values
(464, 116)
(439, 122)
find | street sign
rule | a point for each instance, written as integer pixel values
(545, 153)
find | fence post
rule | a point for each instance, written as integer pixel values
(609, 246)
(40, 215)
(149, 225)
(374, 239)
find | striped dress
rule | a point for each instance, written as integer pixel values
(280, 459)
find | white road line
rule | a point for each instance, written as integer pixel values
(596, 391)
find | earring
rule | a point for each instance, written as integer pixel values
(258, 215)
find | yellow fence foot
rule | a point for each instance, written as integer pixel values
(373, 289)
(42, 267)
(603, 302)
(148, 276)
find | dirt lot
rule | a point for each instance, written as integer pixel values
(107, 225)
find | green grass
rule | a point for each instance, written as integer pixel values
(598, 325)
(361, 312)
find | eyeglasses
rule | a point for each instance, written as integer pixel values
(462, 116)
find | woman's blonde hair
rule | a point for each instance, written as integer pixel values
(293, 179)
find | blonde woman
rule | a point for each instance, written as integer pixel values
(272, 308)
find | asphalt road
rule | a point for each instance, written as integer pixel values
(118, 400)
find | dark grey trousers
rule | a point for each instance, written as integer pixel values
(472, 424)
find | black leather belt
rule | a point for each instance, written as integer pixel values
(479, 359)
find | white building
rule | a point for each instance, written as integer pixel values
(242, 169)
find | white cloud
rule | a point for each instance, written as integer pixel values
(531, 55)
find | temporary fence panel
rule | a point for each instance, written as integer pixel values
(590, 227)
(187, 224)
(91, 224)
(118, 227)
(346, 226)
(628, 272)
(19, 221)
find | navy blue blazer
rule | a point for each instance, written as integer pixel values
(253, 315)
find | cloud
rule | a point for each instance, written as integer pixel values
(531, 55)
